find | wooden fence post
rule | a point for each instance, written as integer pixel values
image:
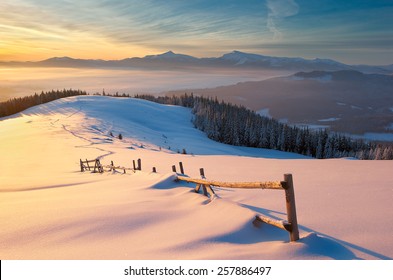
(81, 163)
(154, 170)
(181, 168)
(112, 169)
(96, 165)
(291, 207)
(202, 172)
(139, 164)
(174, 168)
(133, 164)
(87, 163)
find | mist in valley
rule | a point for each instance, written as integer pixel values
(18, 82)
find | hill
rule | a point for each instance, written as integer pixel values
(54, 211)
(346, 101)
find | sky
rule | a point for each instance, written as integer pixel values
(353, 32)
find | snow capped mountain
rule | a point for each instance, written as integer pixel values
(241, 58)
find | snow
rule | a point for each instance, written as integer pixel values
(329, 120)
(374, 136)
(264, 112)
(51, 210)
(311, 126)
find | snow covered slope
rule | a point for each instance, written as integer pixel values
(51, 210)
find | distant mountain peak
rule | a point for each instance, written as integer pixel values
(237, 52)
(327, 61)
(166, 54)
(241, 57)
(170, 55)
(62, 58)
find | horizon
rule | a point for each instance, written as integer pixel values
(354, 32)
(178, 53)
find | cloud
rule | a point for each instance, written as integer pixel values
(277, 11)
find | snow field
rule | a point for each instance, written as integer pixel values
(50, 210)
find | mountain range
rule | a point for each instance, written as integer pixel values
(235, 59)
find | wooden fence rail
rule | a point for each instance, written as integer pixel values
(287, 185)
(273, 185)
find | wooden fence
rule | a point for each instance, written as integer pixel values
(287, 185)
(98, 167)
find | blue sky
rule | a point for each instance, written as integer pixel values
(353, 32)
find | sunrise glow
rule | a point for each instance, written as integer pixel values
(349, 31)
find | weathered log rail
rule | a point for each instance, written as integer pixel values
(290, 225)
(274, 185)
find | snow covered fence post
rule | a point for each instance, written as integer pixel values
(291, 207)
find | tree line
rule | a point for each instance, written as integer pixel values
(239, 126)
(18, 104)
